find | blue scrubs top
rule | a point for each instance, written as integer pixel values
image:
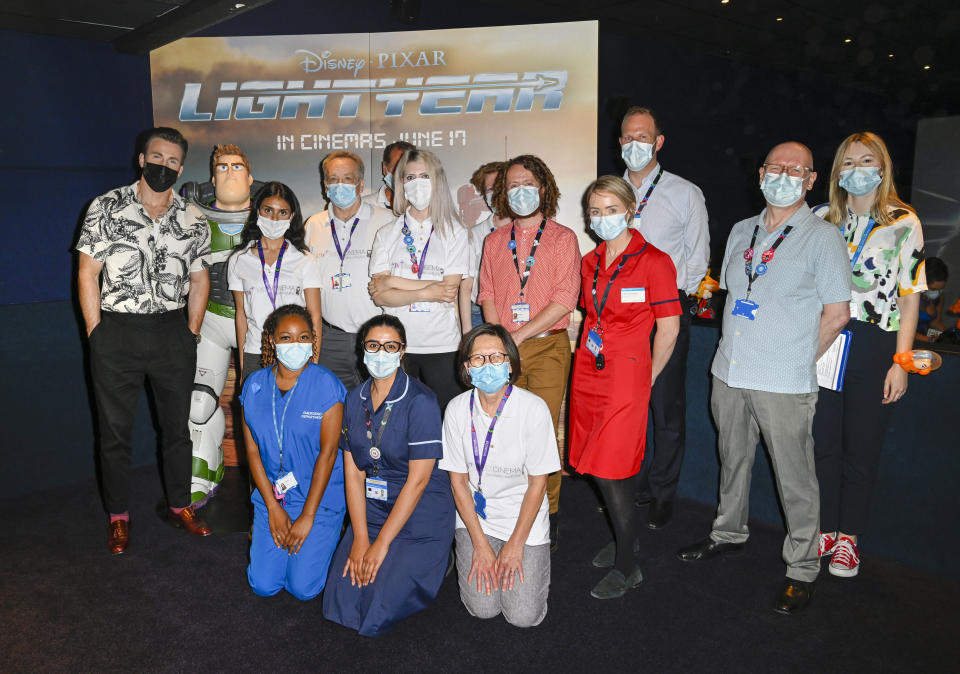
(317, 390)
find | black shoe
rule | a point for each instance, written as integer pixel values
(615, 584)
(661, 512)
(642, 500)
(554, 531)
(708, 549)
(794, 596)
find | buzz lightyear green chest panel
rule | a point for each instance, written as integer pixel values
(222, 244)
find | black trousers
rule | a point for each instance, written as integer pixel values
(437, 371)
(125, 349)
(339, 353)
(848, 431)
(660, 472)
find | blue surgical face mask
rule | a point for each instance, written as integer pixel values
(294, 355)
(342, 194)
(381, 364)
(490, 378)
(524, 199)
(932, 295)
(781, 190)
(608, 227)
(860, 180)
(388, 180)
(636, 155)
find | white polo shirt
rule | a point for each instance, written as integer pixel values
(244, 273)
(346, 300)
(478, 234)
(433, 327)
(523, 444)
(378, 198)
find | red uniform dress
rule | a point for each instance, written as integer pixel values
(608, 407)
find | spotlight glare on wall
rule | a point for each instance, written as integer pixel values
(926, 67)
(847, 40)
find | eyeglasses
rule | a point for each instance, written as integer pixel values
(478, 359)
(794, 171)
(372, 346)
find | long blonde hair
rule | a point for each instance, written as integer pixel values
(886, 191)
(443, 212)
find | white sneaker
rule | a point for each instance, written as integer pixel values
(845, 561)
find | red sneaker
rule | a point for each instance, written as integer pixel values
(827, 543)
(845, 561)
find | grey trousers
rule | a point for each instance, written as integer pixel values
(785, 420)
(338, 353)
(523, 606)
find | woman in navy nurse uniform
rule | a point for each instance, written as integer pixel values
(394, 555)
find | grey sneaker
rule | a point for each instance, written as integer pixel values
(615, 585)
(608, 554)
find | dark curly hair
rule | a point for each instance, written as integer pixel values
(268, 350)
(551, 193)
(251, 231)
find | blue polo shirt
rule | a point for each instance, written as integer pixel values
(777, 351)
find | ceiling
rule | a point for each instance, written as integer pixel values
(907, 50)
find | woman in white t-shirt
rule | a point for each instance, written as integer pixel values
(271, 267)
(499, 447)
(416, 266)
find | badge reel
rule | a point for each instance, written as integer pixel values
(594, 345)
(521, 312)
(376, 486)
(284, 484)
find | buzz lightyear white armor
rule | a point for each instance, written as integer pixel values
(218, 336)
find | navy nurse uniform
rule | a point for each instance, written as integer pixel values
(411, 573)
(271, 569)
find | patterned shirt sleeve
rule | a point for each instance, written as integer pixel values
(196, 219)
(93, 240)
(567, 265)
(832, 267)
(912, 276)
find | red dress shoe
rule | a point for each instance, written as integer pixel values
(187, 519)
(119, 536)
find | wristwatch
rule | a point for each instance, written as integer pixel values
(196, 336)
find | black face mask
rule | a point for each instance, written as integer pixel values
(159, 178)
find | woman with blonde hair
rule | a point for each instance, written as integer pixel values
(416, 266)
(885, 243)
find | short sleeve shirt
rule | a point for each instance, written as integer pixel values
(776, 352)
(890, 265)
(146, 263)
(523, 444)
(246, 274)
(433, 327)
(478, 234)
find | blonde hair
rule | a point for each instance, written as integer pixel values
(886, 191)
(443, 212)
(614, 185)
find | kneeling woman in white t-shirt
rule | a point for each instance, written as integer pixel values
(416, 264)
(499, 447)
(271, 267)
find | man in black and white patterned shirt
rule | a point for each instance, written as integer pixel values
(150, 249)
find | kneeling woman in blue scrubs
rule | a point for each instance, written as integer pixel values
(394, 555)
(292, 417)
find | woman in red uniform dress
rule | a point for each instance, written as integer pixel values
(626, 285)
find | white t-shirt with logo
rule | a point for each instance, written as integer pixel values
(244, 273)
(523, 444)
(432, 327)
(346, 300)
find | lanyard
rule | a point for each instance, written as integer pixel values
(596, 275)
(415, 267)
(283, 417)
(643, 202)
(336, 240)
(764, 258)
(272, 294)
(863, 241)
(481, 460)
(525, 276)
(375, 452)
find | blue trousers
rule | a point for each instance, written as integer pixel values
(304, 574)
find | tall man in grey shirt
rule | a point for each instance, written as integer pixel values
(788, 280)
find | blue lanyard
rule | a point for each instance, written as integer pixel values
(863, 242)
(283, 417)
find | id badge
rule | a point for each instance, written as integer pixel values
(745, 309)
(594, 343)
(521, 312)
(284, 484)
(420, 307)
(633, 295)
(341, 281)
(376, 489)
(480, 504)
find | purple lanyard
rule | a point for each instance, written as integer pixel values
(416, 268)
(272, 294)
(478, 460)
(336, 240)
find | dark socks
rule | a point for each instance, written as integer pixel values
(618, 497)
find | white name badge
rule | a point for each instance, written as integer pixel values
(284, 484)
(632, 295)
(341, 281)
(420, 307)
(521, 312)
(376, 489)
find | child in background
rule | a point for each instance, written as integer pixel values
(930, 324)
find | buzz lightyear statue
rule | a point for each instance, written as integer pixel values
(225, 201)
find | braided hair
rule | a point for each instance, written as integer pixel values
(268, 350)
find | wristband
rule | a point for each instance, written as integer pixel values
(918, 361)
